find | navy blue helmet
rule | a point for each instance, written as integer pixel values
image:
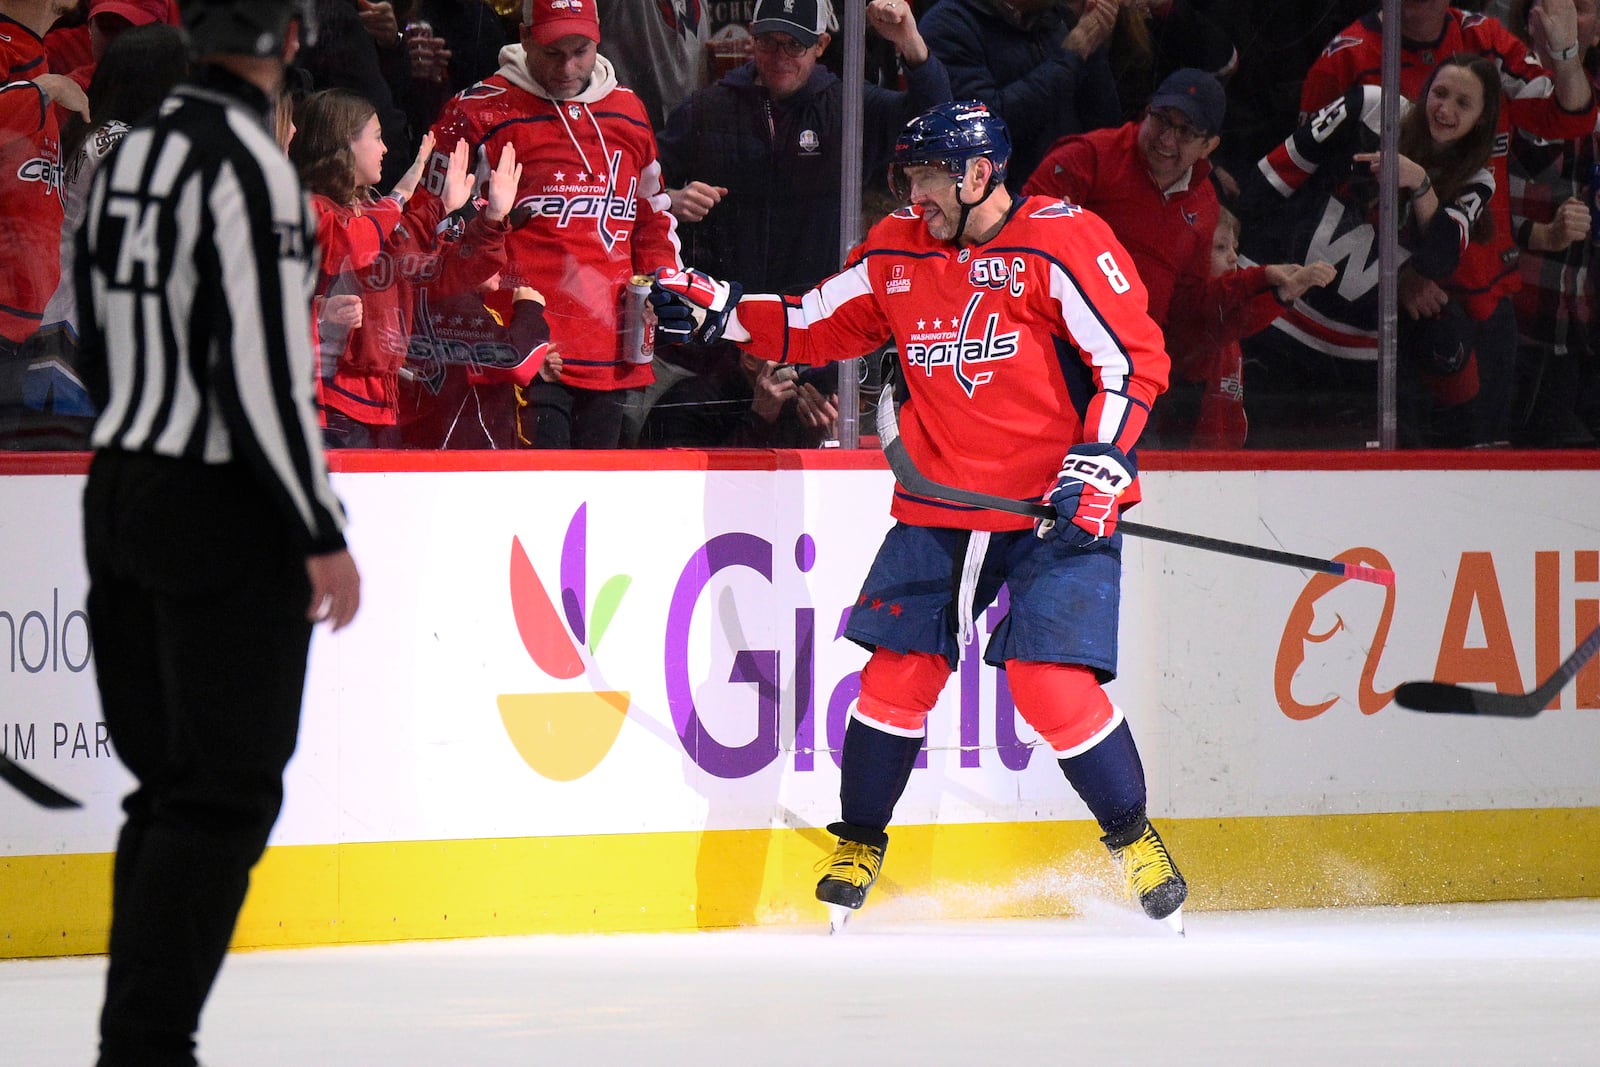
(948, 135)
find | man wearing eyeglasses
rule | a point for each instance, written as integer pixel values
(1150, 180)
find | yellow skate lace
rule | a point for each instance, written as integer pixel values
(1147, 864)
(852, 862)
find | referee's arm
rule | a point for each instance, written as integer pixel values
(264, 374)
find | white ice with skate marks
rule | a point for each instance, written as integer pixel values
(1459, 985)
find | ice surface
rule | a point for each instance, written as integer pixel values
(1460, 985)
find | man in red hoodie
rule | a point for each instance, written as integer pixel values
(591, 211)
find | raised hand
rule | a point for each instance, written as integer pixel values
(406, 187)
(897, 23)
(457, 177)
(1553, 24)
(1093, 28)
(1093, 475)
(504, 181)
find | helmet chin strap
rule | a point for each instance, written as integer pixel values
(966, 208)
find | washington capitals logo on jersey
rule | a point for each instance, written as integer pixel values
(1191, 217)
(1057, 209)
(1340, 43)
(481, 91)
(681, 16)
(582, 200)
(959, 347)
(48, 172)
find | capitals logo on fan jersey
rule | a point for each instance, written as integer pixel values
(584, 198)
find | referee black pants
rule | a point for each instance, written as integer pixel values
(197, 608)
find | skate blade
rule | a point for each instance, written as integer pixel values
(1175, 920)
(838, 918)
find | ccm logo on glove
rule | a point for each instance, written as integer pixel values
(1113, 478)
(1092, 476)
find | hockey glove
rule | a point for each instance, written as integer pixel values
(690, 305)
(1093, 475)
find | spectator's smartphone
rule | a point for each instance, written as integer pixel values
(824, 379)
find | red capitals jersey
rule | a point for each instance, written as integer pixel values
(1488, 268)
(30, 185)
(369, 250)
(591, 211)
(1011, 351)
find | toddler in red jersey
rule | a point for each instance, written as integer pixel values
(1248, 300)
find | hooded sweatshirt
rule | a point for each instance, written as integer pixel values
(591, 210)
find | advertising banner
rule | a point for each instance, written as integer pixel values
(580, 652)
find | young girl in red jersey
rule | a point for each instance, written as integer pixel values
(370, 248)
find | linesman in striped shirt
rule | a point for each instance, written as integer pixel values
(213, 536)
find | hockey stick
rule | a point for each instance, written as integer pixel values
(906, 473)
(40, 793)
(1462, 700)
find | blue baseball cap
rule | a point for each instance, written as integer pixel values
(1195, 93)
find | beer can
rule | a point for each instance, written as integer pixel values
(638, 324)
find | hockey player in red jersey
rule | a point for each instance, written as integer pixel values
(591, 212)
(1022, 335)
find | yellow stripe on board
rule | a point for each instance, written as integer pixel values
(332, 894)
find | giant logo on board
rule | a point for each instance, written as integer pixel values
(564, 735)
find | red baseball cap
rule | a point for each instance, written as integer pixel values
(550, 20)
(138, 12)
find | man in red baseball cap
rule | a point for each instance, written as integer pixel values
(74, 50)
(591, 211)
(547, 21)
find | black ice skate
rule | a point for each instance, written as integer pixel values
(850, 871)
(1153, 879)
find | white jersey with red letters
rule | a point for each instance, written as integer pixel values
(1011, 351)
(591, 211)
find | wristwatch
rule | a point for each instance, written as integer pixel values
(1561, 55)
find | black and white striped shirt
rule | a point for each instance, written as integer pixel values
(196, 263)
